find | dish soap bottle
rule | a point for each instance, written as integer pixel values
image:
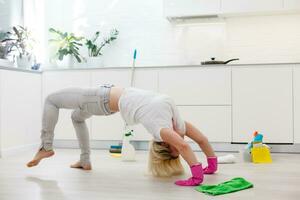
(128, 151)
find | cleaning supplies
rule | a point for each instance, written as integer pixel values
(128, 151)
(116, 148)
(261, 154)
(234, 185)
(257, 151)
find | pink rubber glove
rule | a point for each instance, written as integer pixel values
(212, 165)
(196, 179)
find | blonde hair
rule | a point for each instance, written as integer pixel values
(161, 163)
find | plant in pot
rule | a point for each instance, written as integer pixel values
(95, 49)
(23, 43)
(5, 49)
(66, 48)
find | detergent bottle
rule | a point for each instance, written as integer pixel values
(128, 151)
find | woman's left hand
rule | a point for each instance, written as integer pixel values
(196, 179)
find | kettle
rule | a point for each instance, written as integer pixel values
(213, 61)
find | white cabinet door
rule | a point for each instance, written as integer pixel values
(197, 86)
(212, 121)
(297, 105)
(249, 6)
(146, 79)
(20, 109)
(56, 80)
(291, 4)
(109, 127)
(179, 8)
(262, 101)
(33, 106)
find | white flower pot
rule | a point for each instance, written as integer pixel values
(67, 62)
(94, 62)
(25, 62)
(6, 63)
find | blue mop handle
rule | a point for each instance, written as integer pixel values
(134, 58)
(134, 54)
(132, 68)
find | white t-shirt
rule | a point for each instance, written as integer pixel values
(154, 111)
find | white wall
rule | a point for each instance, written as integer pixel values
(10, 13)
(142, 26)
(262, 39)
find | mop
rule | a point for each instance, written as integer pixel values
(128, 151)
(125, 149)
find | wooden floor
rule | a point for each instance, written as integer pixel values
(113, 179)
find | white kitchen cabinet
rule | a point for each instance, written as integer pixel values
(291, 5)
(146, 79)
(187, 8)
(262, 100)
(20, 109)
(118, 77)
(197, 86)
(297, 105)
(174, 9)
(212, 121)
(56, 80)
(251, 6)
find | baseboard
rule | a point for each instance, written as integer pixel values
(18, 149)
(143, 145)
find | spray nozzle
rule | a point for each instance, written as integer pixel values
(129, 133)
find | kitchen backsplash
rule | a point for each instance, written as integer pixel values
(259, 39)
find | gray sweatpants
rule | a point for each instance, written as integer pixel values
(85, 103)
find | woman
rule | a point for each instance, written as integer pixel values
(156, 112)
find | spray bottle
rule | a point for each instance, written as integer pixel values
(128, 151)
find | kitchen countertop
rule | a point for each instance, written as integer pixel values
(20, 70)
(181, 66)
(158, 67)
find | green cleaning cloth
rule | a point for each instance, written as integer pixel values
(234, 185)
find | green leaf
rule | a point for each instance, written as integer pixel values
(78, 58)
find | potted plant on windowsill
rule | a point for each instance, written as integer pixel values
(67, 48)
(23, 43)
(94, 48)
(5, 49)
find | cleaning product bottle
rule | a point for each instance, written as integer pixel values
(128, 151)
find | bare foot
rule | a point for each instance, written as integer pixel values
(41, 154)
(79, 165)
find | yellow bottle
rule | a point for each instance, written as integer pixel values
(261, 154)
